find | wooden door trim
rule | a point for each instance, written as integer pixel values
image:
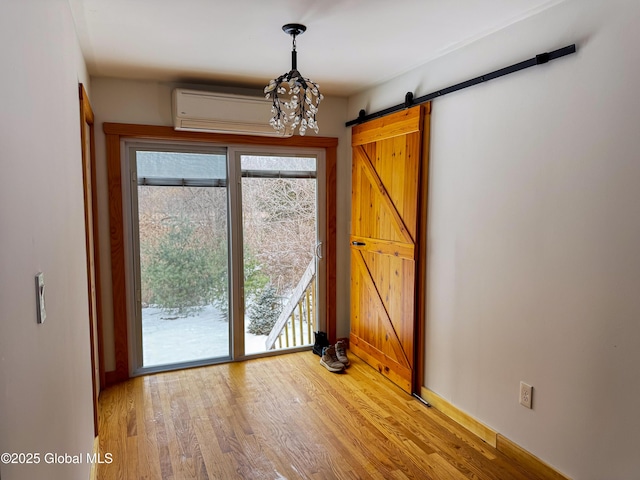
(92, 242)
(331, 226)
(421, 254)
(116, 132)
(118, 270)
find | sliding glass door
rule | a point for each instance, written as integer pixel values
(182, 256)
(222, 269)
(281, 250)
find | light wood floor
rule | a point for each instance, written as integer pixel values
(284, 417)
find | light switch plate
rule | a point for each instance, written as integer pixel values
(42, 313)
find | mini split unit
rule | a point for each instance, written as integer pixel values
(198, 111)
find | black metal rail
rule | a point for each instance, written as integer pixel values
(409, 101)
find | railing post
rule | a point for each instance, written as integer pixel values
(308, 304)
(293, 327)
(300, 319)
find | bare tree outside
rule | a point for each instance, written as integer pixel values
(280, 226)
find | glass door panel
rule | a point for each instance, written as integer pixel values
(279, 232)
(183, 257)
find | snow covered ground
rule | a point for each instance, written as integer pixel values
(170, 339)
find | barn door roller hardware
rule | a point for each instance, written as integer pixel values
(409, 101)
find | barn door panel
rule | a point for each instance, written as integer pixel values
(384, 233)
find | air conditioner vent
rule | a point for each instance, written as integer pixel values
(199, 111)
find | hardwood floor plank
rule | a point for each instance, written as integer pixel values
(285, 418)
(162, 441)
(148, 463)
(439, 435)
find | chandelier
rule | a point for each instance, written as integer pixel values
(295, 98)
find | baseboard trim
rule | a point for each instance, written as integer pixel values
(93, 475)
(458, 416)
(110, 378)
(113, 377)
(529, 461)
(512, 450)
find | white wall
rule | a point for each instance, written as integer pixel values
(45, 370)
(534, 233)
(149, 103)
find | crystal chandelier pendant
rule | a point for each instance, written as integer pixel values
(295, 98)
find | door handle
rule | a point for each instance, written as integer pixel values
(319, 250)
(358, 244)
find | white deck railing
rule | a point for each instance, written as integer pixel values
(295, 324)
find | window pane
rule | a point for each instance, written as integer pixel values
(181, 165)
(299, 164)
(279, 218)
(183, 239)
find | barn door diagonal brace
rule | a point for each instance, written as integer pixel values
(410, 101)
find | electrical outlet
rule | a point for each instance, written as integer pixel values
(526, 392)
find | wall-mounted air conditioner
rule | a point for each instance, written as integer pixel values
(199, 111)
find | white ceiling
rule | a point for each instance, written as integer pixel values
(349, 44)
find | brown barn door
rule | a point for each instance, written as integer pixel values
(385, 233)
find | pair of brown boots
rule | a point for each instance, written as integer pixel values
(334, 357)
